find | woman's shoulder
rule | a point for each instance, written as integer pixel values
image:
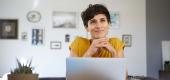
(81, 39)
(114, 39)
(117, 43)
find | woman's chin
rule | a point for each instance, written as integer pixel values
(98, 37)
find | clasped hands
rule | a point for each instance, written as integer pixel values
(97, 44)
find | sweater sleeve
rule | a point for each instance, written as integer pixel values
(117, 44)
(74, 45)
(79, 46)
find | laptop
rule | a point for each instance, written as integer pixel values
(95, 68)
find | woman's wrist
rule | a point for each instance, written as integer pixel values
(88, 53)
(113, 51)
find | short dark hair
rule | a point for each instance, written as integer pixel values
(93, 10)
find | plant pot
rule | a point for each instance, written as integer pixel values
(167, 65)
(22, 76)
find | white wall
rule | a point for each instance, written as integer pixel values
(49, 62)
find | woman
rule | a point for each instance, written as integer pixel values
(96, 19)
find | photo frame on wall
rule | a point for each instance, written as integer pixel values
(8, 28)
(67, 37)
(64, 19)
(115, 19)
(24, 36)
(33, 16)
(37, 36)
(127, 39)
(55, 44)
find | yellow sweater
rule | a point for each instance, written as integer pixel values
(80, 45)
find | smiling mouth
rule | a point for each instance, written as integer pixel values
(99, 31)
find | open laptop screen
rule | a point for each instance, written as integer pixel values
(95, 68)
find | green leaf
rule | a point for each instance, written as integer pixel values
(23, 69)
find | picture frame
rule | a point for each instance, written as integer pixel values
(55, 45)
(33, 16)
(37, 36)
(127, 40)
(115, 19)
(8, 28)
(24, 36)
(64, 19)
(67, 37)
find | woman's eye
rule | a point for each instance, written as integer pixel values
(92, 22)
(103, 20)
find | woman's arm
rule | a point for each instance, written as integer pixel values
(115, 53)
(72, 53)
(120, 54)
(87, 54)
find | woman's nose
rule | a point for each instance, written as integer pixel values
(98, 25)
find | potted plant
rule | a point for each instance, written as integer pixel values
(23, 72)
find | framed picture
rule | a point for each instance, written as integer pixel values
(67, 38)
(64, 19)
(37, 36)
(24, 36)
(55, 44)
(115, 19)
(33, 16)
(127, 39)
(8, 29)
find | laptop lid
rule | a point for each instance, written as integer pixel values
(95, 68)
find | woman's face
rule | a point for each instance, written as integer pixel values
(98, 26)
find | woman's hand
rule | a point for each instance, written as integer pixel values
(116, 54)
(110, 48)
(97, 44)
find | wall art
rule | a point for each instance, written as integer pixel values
(33, 16)
(64, 19)
(67, 38)
(8, 29)
(55, 44)
(127, 39)
(115, 20)
(24, 36)
(37, 36)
